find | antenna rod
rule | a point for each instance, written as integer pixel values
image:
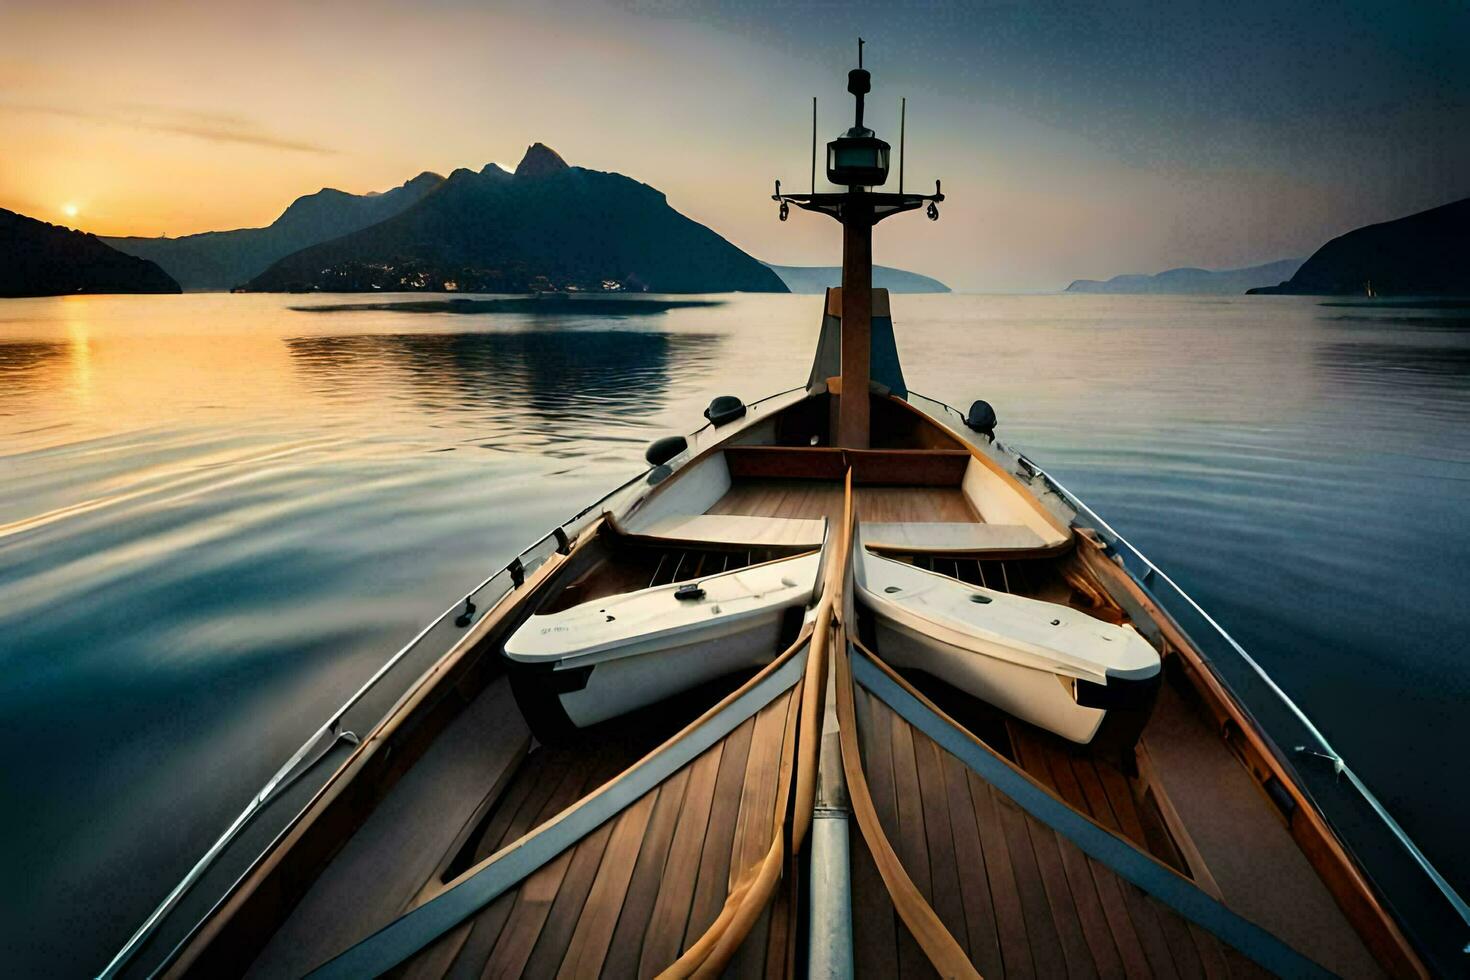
(814, 144)
(860, 52)
(903, 115)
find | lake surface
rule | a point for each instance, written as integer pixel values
(218, 515)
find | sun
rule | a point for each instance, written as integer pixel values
(70, 210)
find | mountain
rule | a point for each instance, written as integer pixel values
(547, 226)
(224, 259)
(1198, 282)
(1425, 254)
(40, 259)
(816, 278)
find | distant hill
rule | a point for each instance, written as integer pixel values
(1425, 254)
(548, 226)
(224, 259)
(816, 279)
(1195, 282)
(40, 259)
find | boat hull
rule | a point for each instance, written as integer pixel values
(557, 702)
(1040, 697)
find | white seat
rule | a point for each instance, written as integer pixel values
(734, 529)
(956, 536)
(679, 512)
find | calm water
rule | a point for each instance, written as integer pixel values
(218, 515)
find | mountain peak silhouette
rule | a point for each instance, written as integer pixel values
(540, 161)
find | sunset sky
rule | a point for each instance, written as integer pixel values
(1074, 142)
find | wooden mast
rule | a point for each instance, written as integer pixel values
(857, 324)
(857, 291)
(858, 161)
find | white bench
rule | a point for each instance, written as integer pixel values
(733, 529)
(956, 536)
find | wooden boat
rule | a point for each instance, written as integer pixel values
(647, 742)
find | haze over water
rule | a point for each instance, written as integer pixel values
(219, 515)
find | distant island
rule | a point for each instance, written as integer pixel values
(548, 226)
(41, 259)
(1424, 254)
(816, 279)
(1192, 282)
(220, 260)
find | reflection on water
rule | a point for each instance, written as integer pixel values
(1401, 365)
(22, 363)
(560, 391)
(218, 515)
(1377, 322)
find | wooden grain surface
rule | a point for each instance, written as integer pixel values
(1021, 899)
(628, 898)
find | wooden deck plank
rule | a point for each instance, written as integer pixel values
(775, 497)
(1090, 913)
(1125, 935)
(1125, 804)
(874, 925)
(878, 764)
(482, 935)
(779, 946)
(627, 943)
(880, 768)
(974, 875)
(1099, 805)
(1046, 949)
(815, 499)
(1054, 910)
(750, 956)
(1211, 955)
(588, 947)
(908, 836)
(663, 940)
(1029, 755)
(532, 906)
(944, 870)
(554, 796)
(1145, 917)
(1094, 786)
(906, 505)
(1064, 913)
(1181, 944)
(561, 922)
(1005, 891)
(758, 790)
(712, 884)
(780, 960)
(1059, 763)
(762, 794)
